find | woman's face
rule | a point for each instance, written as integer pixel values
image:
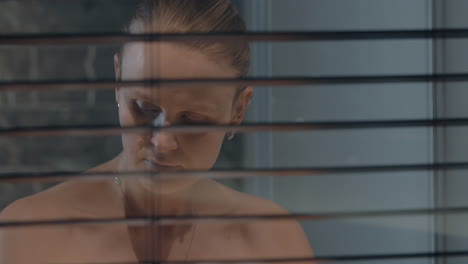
(166, 151)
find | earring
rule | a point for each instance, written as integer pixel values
(118, 105)
(230, 135)
(117, 180)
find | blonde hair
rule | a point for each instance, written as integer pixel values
(196, 16)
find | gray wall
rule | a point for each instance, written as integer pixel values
(452, 143)
(356, 192)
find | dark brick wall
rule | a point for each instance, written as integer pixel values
(61, 108)
(56, 108)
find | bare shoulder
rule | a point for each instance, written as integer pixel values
(273, 238)
(238, 203)
(39, 206)
(269, 238)
(63, 201)
(15, 242)
(58, 202)
(253, 205)
(212, 197)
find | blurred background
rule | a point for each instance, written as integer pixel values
(317, 194)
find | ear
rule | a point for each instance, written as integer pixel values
(118, 74)
(240, 106)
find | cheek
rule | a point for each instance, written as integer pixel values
(129, 140)
(126, 117)
(202, 149)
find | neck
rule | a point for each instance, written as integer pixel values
(144, 196)
(142, 200)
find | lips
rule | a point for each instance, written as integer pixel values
(153, 165)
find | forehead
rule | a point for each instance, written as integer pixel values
(170, 61)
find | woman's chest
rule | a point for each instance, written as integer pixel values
(202, 242)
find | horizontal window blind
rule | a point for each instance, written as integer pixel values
(356, 128)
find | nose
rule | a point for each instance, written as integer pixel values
(163, 141)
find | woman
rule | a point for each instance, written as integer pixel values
(161, 151)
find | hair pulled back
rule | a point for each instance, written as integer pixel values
(196, 16)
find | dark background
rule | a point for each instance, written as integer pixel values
(57, 108)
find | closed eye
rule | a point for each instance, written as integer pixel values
(191, 119)
(146, 110)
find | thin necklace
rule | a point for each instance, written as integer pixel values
(117, 181)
